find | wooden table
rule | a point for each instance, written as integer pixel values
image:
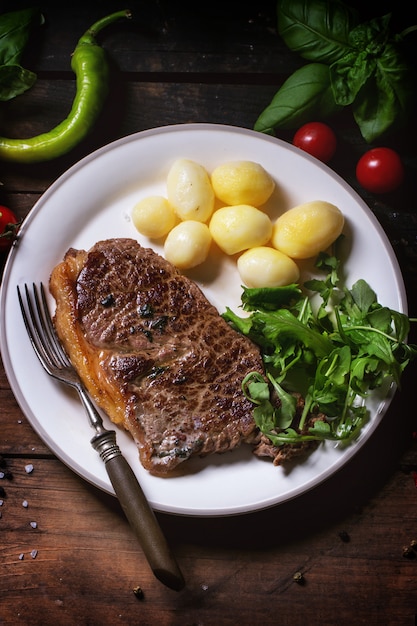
(78, 563)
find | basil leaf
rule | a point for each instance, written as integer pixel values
(14, 80)
(318, 30)
(375, 79)
(387, 99)
(373, 112)
(371, 35)
(349, 75)
(305, 95)
(15, 29)
(14, 33)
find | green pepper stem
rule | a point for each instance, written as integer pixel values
(90, 35)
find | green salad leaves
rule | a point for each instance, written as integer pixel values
(360, 64)
(331, 344)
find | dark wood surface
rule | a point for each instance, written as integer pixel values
(177, 62)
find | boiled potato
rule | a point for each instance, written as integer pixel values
(188, 244)
(153, 216)
(307, 229)
(242, 182)
(189, 190)
(267, 267)
(236, 228)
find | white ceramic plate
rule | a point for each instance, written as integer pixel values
(93, 201)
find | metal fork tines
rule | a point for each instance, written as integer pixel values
(54, 360)
(49, 350)
(43, 338)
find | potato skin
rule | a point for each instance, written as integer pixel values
(236, 228)
(153, 216)
(242, 182)
(187, 244)
(307, 229)
(267, 267)
(189, 190)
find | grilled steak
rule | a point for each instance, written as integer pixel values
(154, 353)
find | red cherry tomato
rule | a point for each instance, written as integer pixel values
(380, 170)
(8, 228)
(317, 139)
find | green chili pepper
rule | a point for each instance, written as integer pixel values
(90, 66)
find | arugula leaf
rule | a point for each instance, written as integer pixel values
(286, 411)
(243, 325)
(282, 326)
(334, 354)
(363, 296)
(269, 298)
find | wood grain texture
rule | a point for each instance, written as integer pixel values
(219, 63)
(88, 563)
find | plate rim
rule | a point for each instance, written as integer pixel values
(70, 172)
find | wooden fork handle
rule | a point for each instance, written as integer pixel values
(138, 512)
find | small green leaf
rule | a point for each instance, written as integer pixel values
(264, 416)
(241, 324)
(401, 324)
(350, 74)
(363, 295)
(321, 429)
(269, 298)
(14, 80)
(286, 412)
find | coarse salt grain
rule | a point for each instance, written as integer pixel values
(25, 504)
(29, 468)
(21, 556)
(34, 524)
(34, 554)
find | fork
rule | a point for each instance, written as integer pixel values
(137, 509)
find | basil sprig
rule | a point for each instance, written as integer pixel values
(15, 29)
(352, 63)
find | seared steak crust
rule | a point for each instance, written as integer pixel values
(154, 353)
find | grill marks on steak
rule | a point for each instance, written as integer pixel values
(154, 353)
